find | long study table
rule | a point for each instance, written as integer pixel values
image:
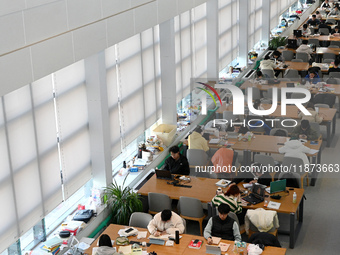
(204, 189)
(178, 249)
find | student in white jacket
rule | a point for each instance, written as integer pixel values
(267, 63)
(295, 149)
(166, 222)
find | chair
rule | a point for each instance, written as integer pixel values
(287, 55)
(329, 56)
(333, 21)
(292, 73)
(335, 43)
(251, 217)
(270, 94)
(228, 115)
(273, 131)
(335, 74)
(333, 46)
(297, 60)
(191, 209)
(327, 60)
(158, 202)
(321, 105)
(316, 127)
(297, 95)
(324, 31)
(265, 160)
(268, 72)
(256, 93)
(302, 55)
(140, 219)
(294, 178)
(314, 41)
(298, 164)
(198, 157)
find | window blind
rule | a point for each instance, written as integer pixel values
(112, 89)
(228, 31)
(200, 41)
(72, 122)
(255, 23)
(130, 88)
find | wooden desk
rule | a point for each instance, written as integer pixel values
(209, 187)
(300, 66)
(178, 249)
(198, 184)
(329, 115)
(320, 38)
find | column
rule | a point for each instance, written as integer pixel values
(168, 71)
(98, 120)
(266, 21)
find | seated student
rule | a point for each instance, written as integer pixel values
(237, 127)
(197, 141)
(315, 117)
(222, 226)
(267, 64)
(334, 12)
(305, 48)
(325, 5)
(177, 163)
(313, 21)
(336, 30)
(324, 25)
(255, 176)
(313, 77)
(105, 246)
(231, 197)
(304, 131)
(166, 222)
(295, 149)
(261, 76)
(318, 15)
(305, 31)
(335, 67)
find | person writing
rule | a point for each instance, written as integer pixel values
(177, 163)
(295, 149)
(313, 21)
(232, 197)
(304, 131)
(166, 222)
(197, 141)
(222, 226)
(335, 31)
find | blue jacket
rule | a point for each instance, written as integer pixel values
(315, 80)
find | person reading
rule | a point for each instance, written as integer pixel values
(222, 226)
(304, 131)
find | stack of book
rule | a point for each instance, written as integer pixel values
(52, 246)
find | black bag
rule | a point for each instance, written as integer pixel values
(325, 99)
(83, 215)
(280, 132)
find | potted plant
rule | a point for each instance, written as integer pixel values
(123, 202)
(276, 42)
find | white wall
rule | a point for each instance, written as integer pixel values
(39, 37)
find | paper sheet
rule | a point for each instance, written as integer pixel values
(125, 249)
(142, 234)
(273, 205)
(224, 247)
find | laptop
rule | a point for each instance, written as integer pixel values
(163, 174)
(232, 135)
(297, 33)
(257, 194)
(277, 186)
(213, 249)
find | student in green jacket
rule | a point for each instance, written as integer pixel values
(304, 131)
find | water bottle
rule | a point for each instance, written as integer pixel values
(294, 198)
